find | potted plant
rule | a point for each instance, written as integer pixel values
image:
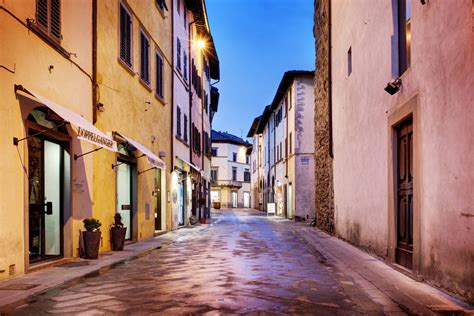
(202, 202)
(216, 205)
(117, 233)
(91, 237)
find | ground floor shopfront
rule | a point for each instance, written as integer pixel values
(229, 197)
(60, 169)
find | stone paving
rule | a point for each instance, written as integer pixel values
(244, 263)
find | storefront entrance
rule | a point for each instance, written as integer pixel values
(247, 199)
(48, 194)
(234, 199)
(124, 196)
(157, 193)
(181, 201)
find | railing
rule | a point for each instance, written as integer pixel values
(226, 183)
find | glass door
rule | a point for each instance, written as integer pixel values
(124, 196)
(46, 172)
(180, 202)
(157, 192)
(234, 199)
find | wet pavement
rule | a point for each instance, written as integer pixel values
(243, 263)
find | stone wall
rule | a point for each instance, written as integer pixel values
(323, 160)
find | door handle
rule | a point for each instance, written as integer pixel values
(49, 208)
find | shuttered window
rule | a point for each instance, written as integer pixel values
(178, 55)
(178, 121)
(48, 17)
(185, 128)
(185, 65)
(125, 34)
(144, 58)
(159, 75)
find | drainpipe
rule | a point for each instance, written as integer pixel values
(331, 153)
(94, 61)
(191, 142)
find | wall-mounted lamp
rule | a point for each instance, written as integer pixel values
(100, 107)
(50, 68)
(393, 87)
(200, 43)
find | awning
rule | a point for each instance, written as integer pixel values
(84, 129)
(189, 164)
(153, 159)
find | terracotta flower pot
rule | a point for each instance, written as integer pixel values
(202, 220)
(91, 244)
(117, 236)
(216, 205)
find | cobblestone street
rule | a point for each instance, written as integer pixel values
(244, 262)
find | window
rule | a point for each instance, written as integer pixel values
(290, 96)
(184, 15)
(178, 121)
(247, 159)
(185, 134)
(161, 4)
(178, 6)
(247, 175)
(234, 173)
(404, 35)
(234, 157)
(206, 101)
(349, 61)
(178, 54)
(286, 105)
(214, 151)
(185, 65)
(286, 147)
(214, 174)
(48, 17)
(125, 34)
(159, 75)
(144, 57)
(291, 143)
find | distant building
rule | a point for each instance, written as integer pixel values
(394, 137)
(283, 151)
(230, 171)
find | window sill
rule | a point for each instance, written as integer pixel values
(182, 141)
(48, 39)
(160, 99)
(145, 85)
(126, 66)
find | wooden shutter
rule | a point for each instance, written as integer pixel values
(55, 15)
(185, 128)
(125, 36)
(178, 120)
(42, 13)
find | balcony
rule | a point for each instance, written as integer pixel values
(226, 183)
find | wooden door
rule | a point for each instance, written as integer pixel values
(404, 215)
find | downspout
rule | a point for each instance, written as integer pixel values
(94, 61)
(173, 156)
(191, 132)
(331, 153)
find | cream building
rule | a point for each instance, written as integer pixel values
(230, 171)
(401, 101)
(133, 101)
(283, 151)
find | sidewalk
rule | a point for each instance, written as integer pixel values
(385, 289)
(15, 292)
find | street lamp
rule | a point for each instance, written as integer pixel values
(200, 43)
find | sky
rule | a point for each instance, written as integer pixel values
(256, 42)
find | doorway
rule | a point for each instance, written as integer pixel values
(404, 194)
(289, 201)
(234, 199)
(49, 184)
(180, 201)
(247, 199)
(157, 193)
(124, 196)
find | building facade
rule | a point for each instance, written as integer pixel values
(194, 104)
(283, 151)
(133, 101)
(399, 97)
(230, 171)
(89, 90)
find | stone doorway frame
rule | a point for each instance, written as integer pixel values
(409, 107)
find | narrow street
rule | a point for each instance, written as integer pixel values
(244, 262)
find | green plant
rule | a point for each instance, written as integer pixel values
(118, 220)
(92, 224)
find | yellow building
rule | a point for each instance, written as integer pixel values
(133, 101)
(46, 74)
